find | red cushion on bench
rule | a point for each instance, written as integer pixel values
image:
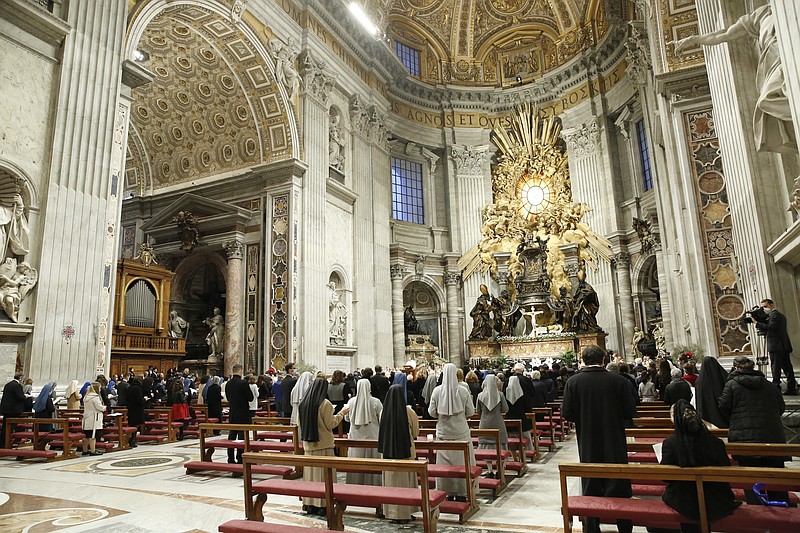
(199, 466)
(491, 484)
(458, 508)
(250, 526)
(642, 457)
(642, 512)
(26, 452)
(757, 518)
(357, 495)
(452, 471)
(491, 455)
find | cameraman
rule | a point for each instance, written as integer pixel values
(778, 344)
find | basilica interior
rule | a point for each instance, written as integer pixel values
(204, 183)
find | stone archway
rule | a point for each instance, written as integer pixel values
(428, 308)
(646, 295)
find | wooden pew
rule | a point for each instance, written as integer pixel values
(547, 427)
(340, 495)
(655, 513)
(208, 446)
(40, 439)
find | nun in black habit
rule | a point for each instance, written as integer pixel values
(398, 430)
(708, 388)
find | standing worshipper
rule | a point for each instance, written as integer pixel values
(753, 407)
(692, 445)
(519, 404)
(277, 394)
(136, 400)
(364, 417)
(380, 384)
(93, 409)
(214, 401)
(491, 406)
(708, 388)
(399, 428)
(778, 345)
(452, 405)
(338, 391)
(179, 405)
(298, 392)
(73, 395)
(44, 407)
(316, 420)
(239, 395)
(678, 389)
(12, 404)
(252, 382)
(599, 402)
(401, 379)
(427, 391)
(288, 386)
(473, 384)
(122, 390)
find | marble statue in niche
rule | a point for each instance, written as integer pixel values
(187, 229)
(335, 142)
(216, 336)
(585, 305)
(772, 120)
(178, 327)
(16, 281)
(638, 336)
(484, 314)
(337, 316)
(14, 231)
(285, 54)
(410, 322)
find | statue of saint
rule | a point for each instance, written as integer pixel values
(562, 309)
(14, 230)
(482, 319)
(410, 323)
(638, 336)
(187, 229)
(337, 316)
(16, 281)
(285, 56)
(772, 121)
(178, 327)
(335, 143)
(216, 336)
(585, 304)
(510, 314)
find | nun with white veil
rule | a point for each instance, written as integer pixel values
(298, 393)
(491, 405)
(518, 405)
(452, 405)
(427, 391)
(365, 419)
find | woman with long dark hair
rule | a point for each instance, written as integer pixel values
(693, 445)
(317, 421)
(398, 430)
(180, 407)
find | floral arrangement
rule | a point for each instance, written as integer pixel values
(691, 352)
(543, 336)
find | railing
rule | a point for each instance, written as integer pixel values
(146, 343)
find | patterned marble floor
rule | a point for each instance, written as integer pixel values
(146, 490)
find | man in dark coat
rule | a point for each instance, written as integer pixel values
(380, 384)
(122, 391)
(239, 396)
(12, 404)
(287, 385)
(753, 409)
(778, 345)
(599, 402)
(678, 388)
(135, 400)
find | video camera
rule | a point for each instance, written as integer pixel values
(757, 314)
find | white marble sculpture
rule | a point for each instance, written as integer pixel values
(285, 55)
(772, 121)
(638, 336)
(14, 231)
(16, 282)
(335, 143)
(216, 336)
(178, 327)
(337, 316)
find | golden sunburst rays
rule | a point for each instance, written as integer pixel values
(528, 131)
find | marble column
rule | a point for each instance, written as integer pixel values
(471, 181)
(76, 264)
(318, 83)
(234, 303)
(398, 318)
(755, 182)
(663, 289)
(623, 272)
(455, 335)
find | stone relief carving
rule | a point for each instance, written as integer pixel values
(452, 278)
(583, 140)
(794, 200)
(643, 230)
(378, 131)
(234, 249)
(359, 117)
(337, 316)
(469, 160)
(318, 80)
(336, 142)
(285, 55)
(216, 336)
(14, 230)
(772, 120)
(237, 11)
(638, 57)
(396, 272)
(16, 282)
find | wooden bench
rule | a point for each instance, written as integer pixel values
(159, 425)
(208, 446)
(498, 455)
(547, 427)
(40, 439)
(340, 495)
(657, 514)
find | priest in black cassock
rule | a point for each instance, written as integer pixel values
(599, 402)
